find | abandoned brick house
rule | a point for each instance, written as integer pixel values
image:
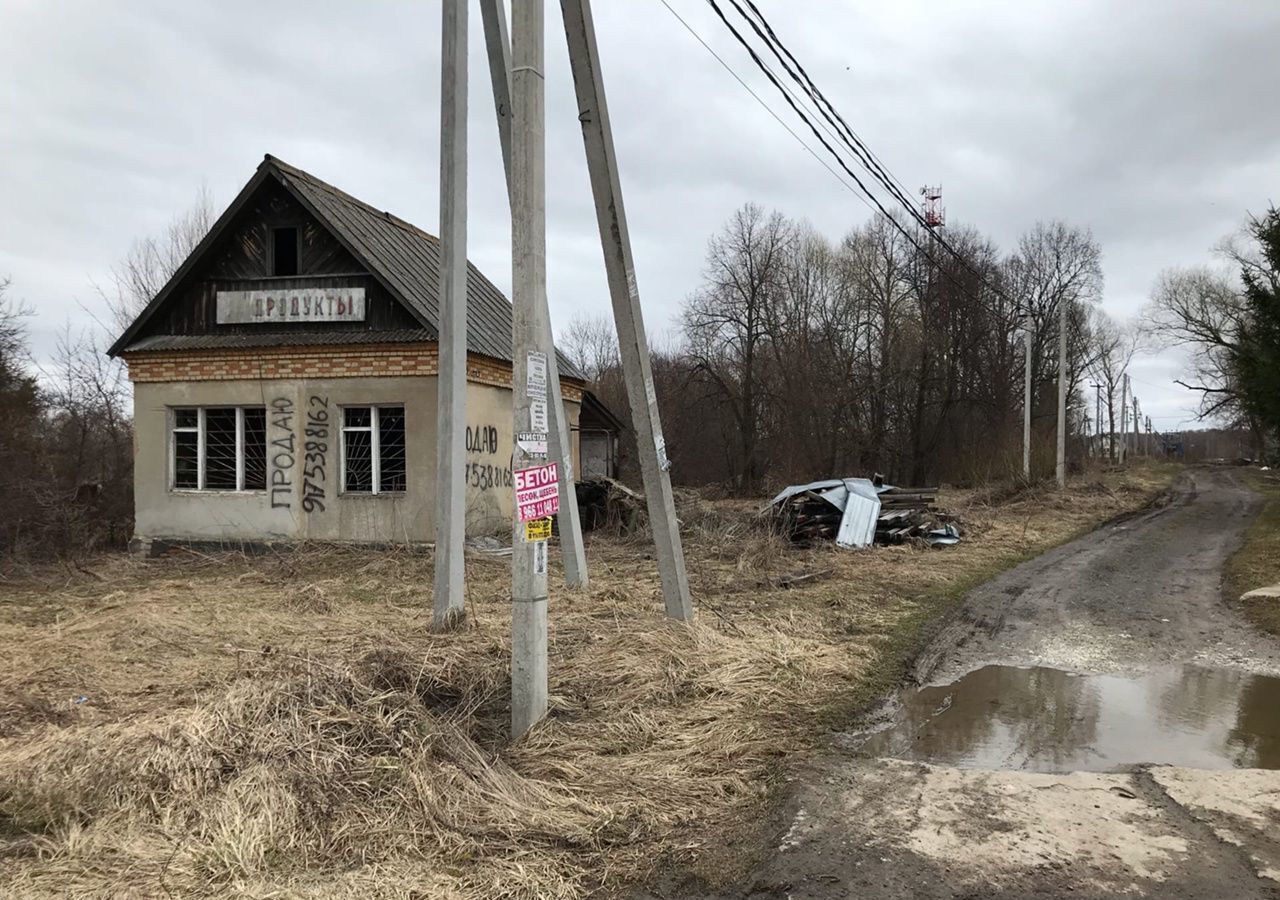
(285, 379)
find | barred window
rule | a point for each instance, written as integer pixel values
(220, 448)
(373, 450)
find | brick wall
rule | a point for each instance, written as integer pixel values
(342, 361)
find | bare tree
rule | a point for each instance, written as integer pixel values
(1228, 316)
(1055, 263)
(21, 426)
(151, 261)
(1113, 348)
(726, 322)
(13, 330)
(808, 359)
(591, 343)
(1202, 310)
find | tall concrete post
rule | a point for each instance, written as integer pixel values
(606, 186)
(559, 443)
(1097, 419)
(497, 45)
(1124, 417)
(1062, 393)
(528, 296)
(451, 393)
(1026, 408)
(1137, 436)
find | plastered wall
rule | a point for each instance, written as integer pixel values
(304, 499)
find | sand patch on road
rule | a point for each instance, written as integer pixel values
(1242, 806)
(993, 828)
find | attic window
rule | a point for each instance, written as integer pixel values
(284, 251)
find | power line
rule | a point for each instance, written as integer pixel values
(850, 138)
(764, 67)
(826, 165)
(859, 148)
(1151, 383)
(824, 106)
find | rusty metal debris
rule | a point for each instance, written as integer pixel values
(856, 512)
(606, 503)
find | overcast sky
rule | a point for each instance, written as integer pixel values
(1152, 122)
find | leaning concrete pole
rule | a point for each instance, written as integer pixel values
(528, 296)
(1062, 393)
(606, 186)
(559, 446)
(497, 44)
(451, 384)
(1026, 409)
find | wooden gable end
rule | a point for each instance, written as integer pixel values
(239, 260)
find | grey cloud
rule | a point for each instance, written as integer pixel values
(1149, 121)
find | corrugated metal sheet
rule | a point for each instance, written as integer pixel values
(861, 510)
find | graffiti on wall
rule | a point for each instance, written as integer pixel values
(315, 449)
(486, 471)
(283, 453)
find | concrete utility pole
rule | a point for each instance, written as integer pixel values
(606, 185)
(528, 296)
(1097, 418)
(1026, 409)
(1124, 412)
(497, 43)
(1137, 440)
(559, 444)
(1062, 393)
(451, 383)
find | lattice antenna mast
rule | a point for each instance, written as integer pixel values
(935, 214)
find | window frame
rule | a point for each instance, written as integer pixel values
(201, 431)
(375, 448)
(297, 250)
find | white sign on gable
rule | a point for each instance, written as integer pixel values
(325, 304)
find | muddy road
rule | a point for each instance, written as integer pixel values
(1096, 723)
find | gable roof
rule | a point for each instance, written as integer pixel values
(402, 257)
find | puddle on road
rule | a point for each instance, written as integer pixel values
(1047, 720)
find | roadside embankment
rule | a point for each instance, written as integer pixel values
(1257, 563)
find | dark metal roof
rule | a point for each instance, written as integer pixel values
(292, 338)
(402, 256)
(595, 412)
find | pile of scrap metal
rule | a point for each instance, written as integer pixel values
(857, 512)
(606, 503)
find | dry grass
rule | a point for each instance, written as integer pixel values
(288, 727)
(1257, 563)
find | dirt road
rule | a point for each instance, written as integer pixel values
(1096, 723)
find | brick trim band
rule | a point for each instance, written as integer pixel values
(341, 361)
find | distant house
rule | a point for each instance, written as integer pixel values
(598, 430)
(285, 378)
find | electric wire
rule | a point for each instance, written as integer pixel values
(859, 148)
(764, 67)
(779, 48)
(738, 78)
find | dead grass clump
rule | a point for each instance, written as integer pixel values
(307, 597)
(1257, 561)
(316, 765)
(21, 710)
(302, 765)
(290, 726)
